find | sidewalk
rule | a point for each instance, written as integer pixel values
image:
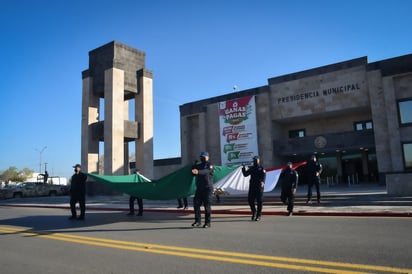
(357, 200)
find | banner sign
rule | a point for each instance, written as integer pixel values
(238, 134)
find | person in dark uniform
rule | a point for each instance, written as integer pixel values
(131, 206)
(204, 189)
(256, 185)
(182, 202)
(133, 198)
(289, 180)
(78, 192)
(45, 177)
(313, 169)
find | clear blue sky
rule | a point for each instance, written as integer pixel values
(196, 50)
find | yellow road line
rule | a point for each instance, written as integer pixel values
(233, 257)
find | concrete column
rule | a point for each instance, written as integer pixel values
(114, 121)
(191, 138)
(264, 129)
(203, 145)
(380, 125)
(144, 117)
(184, 140)
(90, 115)
(392, 120)
(213, 143)
(126, 169)
(126, 144)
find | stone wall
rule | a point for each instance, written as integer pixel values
(399, 184)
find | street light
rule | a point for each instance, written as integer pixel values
(41, 152)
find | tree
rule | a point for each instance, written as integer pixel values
(14, 175)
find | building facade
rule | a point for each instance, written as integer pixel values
(354, 115)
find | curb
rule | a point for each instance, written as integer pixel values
(239, 212)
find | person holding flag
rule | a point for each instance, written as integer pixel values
(289, 180)
(314, 169)
(256, 186)
(204, 189)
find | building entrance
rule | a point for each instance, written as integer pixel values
(345, 167)
(352, 170)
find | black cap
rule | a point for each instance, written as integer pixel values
(77, 165)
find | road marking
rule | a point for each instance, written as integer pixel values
(215, 255)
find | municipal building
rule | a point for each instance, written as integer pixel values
(355, 116)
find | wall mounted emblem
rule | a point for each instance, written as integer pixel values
(320, 142)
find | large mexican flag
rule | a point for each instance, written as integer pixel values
(181, 183)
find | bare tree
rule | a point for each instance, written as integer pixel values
(12, 174)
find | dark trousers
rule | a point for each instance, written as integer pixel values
(315, 183)
(203, 198)
(255, 195)
(288, 198)
(139, 203)
(182, 201)
(78, 198)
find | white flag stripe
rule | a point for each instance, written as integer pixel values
(236, 183)
(272, 178)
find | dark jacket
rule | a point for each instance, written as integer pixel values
(78, 184)
(257, 175)
(311, 168)
(289, 179)
(204, 179)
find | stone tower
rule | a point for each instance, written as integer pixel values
(115, 78)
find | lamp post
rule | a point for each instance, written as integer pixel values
(40, 152)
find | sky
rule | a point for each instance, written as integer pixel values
(196, 49)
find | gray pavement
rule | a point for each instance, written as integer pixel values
(354, 200)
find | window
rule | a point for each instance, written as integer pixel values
(298, 133)
(358, 126)
(405, 112)
(368, 125)
(363, 125)
(407, 155)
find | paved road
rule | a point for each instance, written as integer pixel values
(40, 240)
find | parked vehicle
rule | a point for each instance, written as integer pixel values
(32, 190)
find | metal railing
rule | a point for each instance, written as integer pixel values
(334, 180)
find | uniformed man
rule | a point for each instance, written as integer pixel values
(289, 180)
(134, 198)
(131, 206)
(204, 189)
(78, 192)
(256, 185)
(314, 169)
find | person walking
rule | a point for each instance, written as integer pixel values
(204, 189)
(182, 202)
(256, 185)
(131, 206)
(289, 181)
(45, 177)
(313, 169)
(78, 193)
(133, 198)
